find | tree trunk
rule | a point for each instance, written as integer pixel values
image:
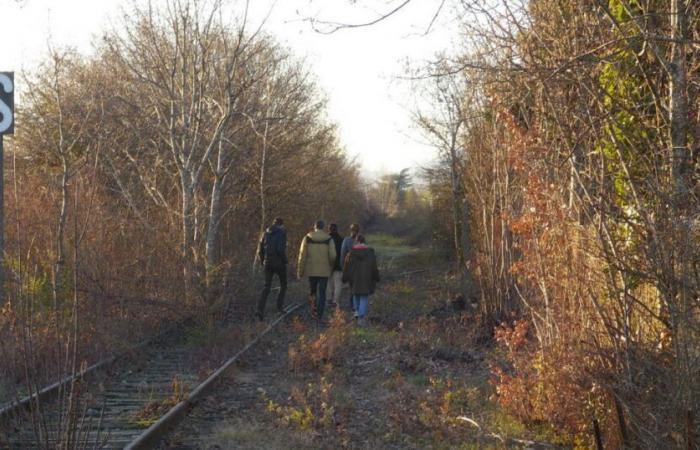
(457, 226)
(457, 210)
(263, 198)
(679, 105)
(213, 269)
(60, 236)
(679, 307)
(187, 236)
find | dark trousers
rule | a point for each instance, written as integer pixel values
(317, 288)
(281, 273)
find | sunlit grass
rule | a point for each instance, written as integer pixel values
(369, 337)
(251, 434)
(390, 249)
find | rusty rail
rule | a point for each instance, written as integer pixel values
(150, 437)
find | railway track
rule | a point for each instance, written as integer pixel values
(130, 408)
(225, 419)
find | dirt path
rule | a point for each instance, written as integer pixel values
(415, 377)
(236, 415)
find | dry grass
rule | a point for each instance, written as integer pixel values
(416, 377)
(322, 351)
(154, 409)
(253, 435)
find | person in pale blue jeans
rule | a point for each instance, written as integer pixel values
(360, 270)
(360, 302)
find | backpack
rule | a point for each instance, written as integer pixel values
(272, 258)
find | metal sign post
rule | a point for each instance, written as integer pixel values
(7, 126)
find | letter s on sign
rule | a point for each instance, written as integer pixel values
(5, 110)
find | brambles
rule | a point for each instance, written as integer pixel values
(544, 388)
(298, 326)
(575, 162)
(322, 352)
(439, 410)
(312, 408)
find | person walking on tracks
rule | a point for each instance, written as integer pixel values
(316, 260)
(273, 256)
(361, 271)
(335, 282)
(348, 242)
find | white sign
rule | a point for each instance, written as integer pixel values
(7, 103)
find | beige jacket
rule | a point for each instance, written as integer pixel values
(316, 255)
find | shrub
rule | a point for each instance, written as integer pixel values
(320, 353)
(310, 409)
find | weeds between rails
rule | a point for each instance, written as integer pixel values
(45, 394)
(418, 374)
(424, 362)
(42, 422)
(16, 406)
(177, 412)
(122, 430)
(13, 413)
(344, 380)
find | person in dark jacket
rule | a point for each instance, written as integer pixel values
(273, 257)
(361, 271)
(335, 281)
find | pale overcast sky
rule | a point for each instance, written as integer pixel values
(357, 68)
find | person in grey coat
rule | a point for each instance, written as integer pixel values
(345, 248)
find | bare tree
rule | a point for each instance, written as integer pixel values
(61, 138)
(187, 64)
(63, 141)
(444, 125)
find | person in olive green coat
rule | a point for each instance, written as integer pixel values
(316, 259)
